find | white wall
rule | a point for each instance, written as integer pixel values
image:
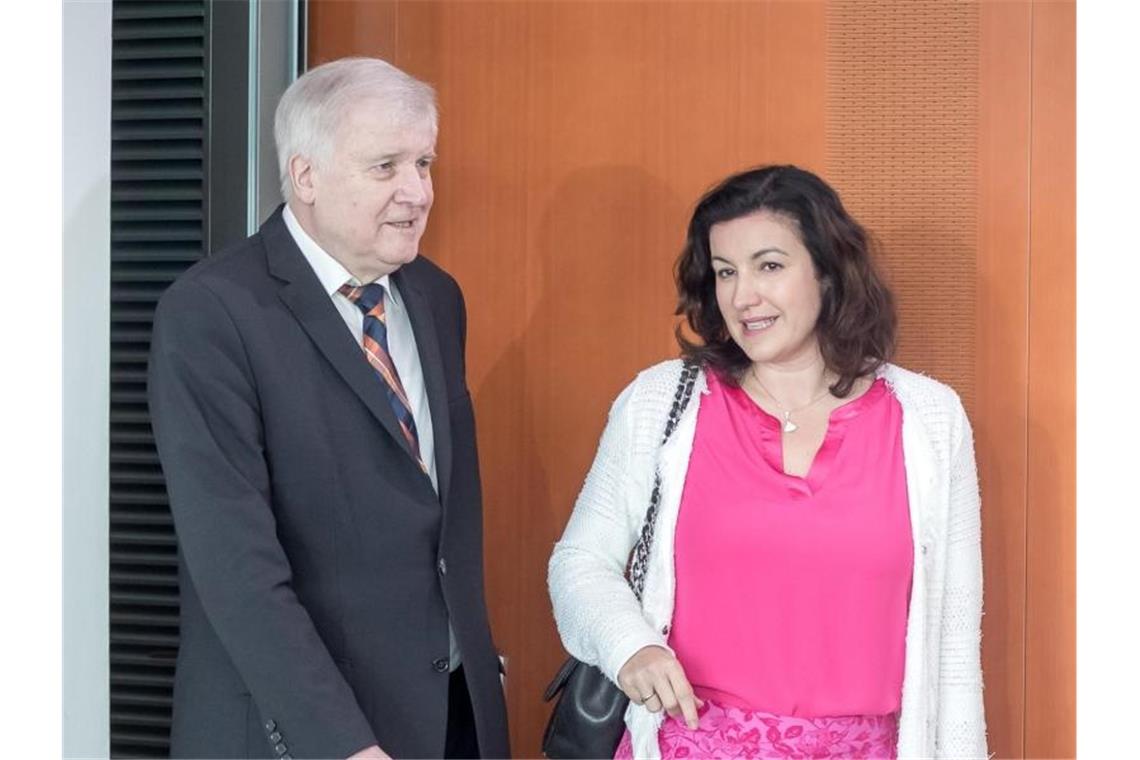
(1108, 270)
(86, 381)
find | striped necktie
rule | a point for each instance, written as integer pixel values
(370, 300)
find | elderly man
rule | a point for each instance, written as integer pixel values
(313, 419)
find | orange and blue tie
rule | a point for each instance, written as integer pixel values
(370, 300)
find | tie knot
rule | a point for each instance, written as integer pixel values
(366, 297)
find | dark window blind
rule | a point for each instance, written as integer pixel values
(158, 229)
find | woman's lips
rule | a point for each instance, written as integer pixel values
(758, 325)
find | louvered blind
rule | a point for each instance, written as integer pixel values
(158, 229)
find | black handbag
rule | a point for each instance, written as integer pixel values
(588, 719)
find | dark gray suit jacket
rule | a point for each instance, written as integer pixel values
(319, 568)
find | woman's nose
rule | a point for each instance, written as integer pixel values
(746, 294)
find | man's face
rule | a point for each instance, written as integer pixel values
(369, 200)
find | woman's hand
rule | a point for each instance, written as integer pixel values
(653, 677)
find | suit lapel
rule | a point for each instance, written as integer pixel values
(311, 306)
(431, 361)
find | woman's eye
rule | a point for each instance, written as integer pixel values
(724, 274)
(771, 266)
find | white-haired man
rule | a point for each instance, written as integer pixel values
(310, 407)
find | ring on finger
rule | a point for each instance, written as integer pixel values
(652, 695)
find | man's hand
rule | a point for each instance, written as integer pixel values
(653, 677)
(370, 753)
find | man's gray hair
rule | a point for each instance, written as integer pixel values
(311, 109)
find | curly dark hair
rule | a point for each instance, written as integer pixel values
(857, 319)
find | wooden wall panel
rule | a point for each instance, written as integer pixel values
(575, 137)
(351, 27)
(1050, 665)
(1000, 416)
(902, 82)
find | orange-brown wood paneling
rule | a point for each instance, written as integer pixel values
(902, 134)
(1000, 416)
(351, 27)
(575, 137)
(1050, 664)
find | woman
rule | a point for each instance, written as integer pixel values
(813, 587)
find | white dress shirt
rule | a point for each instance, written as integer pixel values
(401, 344)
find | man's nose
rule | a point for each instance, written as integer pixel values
(412, 187)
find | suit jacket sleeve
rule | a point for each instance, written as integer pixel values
(207, 426)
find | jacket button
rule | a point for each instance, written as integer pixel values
(275, 737)
(442, 565)
(440, 665)
(270, 725)
(280, 749)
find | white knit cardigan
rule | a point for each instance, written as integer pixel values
(601, 622)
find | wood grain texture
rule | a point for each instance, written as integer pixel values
(1001, 407)
(1050, 664)
(575, 138)
(351, 27)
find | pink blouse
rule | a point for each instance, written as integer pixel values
(792, 592)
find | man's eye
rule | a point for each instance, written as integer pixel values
(425, 163)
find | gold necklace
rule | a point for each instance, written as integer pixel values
(788, 426)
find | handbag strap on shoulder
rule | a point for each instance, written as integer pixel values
(640, 555)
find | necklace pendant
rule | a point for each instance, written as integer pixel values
(789, 426)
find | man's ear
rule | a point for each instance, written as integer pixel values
(302, 179)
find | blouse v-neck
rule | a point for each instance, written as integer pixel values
(792, 593)
(761, 433)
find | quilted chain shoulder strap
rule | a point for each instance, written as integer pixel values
(640, 553)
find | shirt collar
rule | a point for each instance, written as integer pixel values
(329, 271)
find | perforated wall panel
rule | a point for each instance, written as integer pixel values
(902, 112)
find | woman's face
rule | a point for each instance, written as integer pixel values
(766, 288)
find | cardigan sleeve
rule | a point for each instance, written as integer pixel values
(598, 617)
(961, 722)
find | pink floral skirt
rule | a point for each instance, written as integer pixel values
(732, 732)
